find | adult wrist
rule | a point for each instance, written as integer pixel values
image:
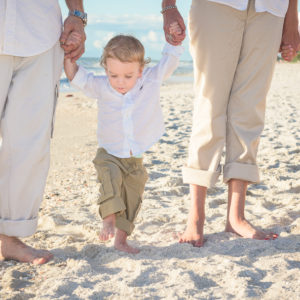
(167, 3)
(168, 7)
(79, 14)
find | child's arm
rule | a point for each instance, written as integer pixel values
(171, 54)
(167, 64)
(71, 68)
(79, 77)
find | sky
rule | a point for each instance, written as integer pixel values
(141, 18)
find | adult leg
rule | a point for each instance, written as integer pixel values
(246, 112)
(236, 221)
(216, 33)
(24, 155)
(11, 247)
(194, 229)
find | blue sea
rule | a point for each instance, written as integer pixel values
(184, 72)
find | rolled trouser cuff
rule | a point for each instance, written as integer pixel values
(111, 206)
(124, 224)
(18, 228)
(241, 171)
(200, 177)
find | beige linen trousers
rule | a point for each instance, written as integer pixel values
(28, 92)
(234, 54)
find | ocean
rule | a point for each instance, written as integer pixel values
(184, 72)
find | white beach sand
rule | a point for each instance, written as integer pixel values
(227, 267)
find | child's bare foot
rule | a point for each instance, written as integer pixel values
(193, 234)
(244, 229)
(13, 248)
(108, 230)
(121, 243)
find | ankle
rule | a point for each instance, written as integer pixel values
(196, 216)
(109, 218)
(236, 220)
(121, 237)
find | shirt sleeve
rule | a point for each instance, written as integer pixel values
(88, 83)
(168, 63)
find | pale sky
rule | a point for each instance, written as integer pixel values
(141, 18)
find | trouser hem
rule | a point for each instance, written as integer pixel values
(111, 206)
(241, 171)
(19, 228)
(124, 224)
(200, 177)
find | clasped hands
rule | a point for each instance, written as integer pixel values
(73, 38)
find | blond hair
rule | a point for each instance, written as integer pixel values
(125, 48)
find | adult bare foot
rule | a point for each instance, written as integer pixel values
(108, 230)
(236, 221)
(244, 229)
(13, 248)
(193, 234)
(194, 230)
(121, 243)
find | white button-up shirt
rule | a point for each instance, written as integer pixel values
(131, 123)
(29, 27)
(274, 7)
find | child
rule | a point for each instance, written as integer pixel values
(130, 121)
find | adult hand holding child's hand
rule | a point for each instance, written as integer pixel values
(174, 26)
(290, 42)
(73, 37)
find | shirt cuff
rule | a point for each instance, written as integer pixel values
(173, 50)
(80, 78)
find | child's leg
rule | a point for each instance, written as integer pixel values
(132, 193)
(236, 221)
(194, 231)
(110, 200)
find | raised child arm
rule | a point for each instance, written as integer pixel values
(70, 67)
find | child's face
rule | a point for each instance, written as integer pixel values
(122, 76)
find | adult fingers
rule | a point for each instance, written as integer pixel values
(76, 54)
(73, 37)
(181, 24)
(172, 16)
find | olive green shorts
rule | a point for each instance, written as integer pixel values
(122, 183)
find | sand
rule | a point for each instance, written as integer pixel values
(226, 267)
